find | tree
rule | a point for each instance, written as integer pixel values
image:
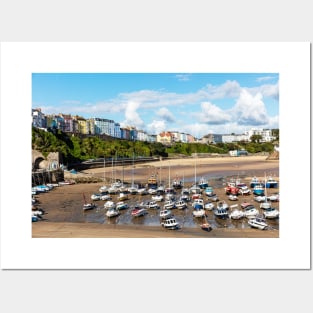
(256, 138)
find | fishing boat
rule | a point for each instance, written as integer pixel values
(169, 204)
(271, 182)
(180, 204)
(254, 181)
(177, 183)
(232, 189)
(152, 182)
(185, 196)
(198, 202)
(170, 223)
(203, 183)
(223, 205)
(221, 213)
(209, 191)
(198, 211)
(259, 189)
(258, 222)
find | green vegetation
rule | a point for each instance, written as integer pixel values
(80, 148)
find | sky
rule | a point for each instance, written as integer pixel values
(193, 103)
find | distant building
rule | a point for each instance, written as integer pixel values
(38, 119)
(165, 138)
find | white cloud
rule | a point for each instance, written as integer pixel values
(166, 115)
(183, 77)
(198, 130)
(211, 114)
(250, 110)
(230, 89)
(131, 115)
(156, 127)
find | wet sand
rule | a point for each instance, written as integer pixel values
(66, 219)
(93, 230)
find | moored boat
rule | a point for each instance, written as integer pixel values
(170, 223)
(258, 222)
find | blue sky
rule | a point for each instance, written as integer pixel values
(194, 103)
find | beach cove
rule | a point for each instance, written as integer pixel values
(65, 219)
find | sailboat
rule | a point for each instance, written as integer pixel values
(88, 206)
(133, 189)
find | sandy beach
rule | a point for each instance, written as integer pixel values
(65, 219)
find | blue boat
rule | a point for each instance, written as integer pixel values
(254, 182)
(271, 183)
(259, 189)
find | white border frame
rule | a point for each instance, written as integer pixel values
(19, 60)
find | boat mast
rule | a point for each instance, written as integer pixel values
(133, 170)
(169, 174)
(195, 169)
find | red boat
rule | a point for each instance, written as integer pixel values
(232, 190)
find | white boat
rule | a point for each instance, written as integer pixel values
(138, 211)
(260, 198)
(198, 203)
(95, 196)
(89, 206)
(223, 205)
(150, 204)
(121, 205)
(236, 213)
(198, 211)
(273, 198)
(249, 210)
(209, 206)
(258, 222)
(170, 223)
(109, 204)
(106, 197)
(157, 197)
(271, 213)
(180, 204)
(103, 189)
(232, 198)
(165, 213)
(221, 213)
(112, 212)
(169, 204)
(133, 190)
(243, 189)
